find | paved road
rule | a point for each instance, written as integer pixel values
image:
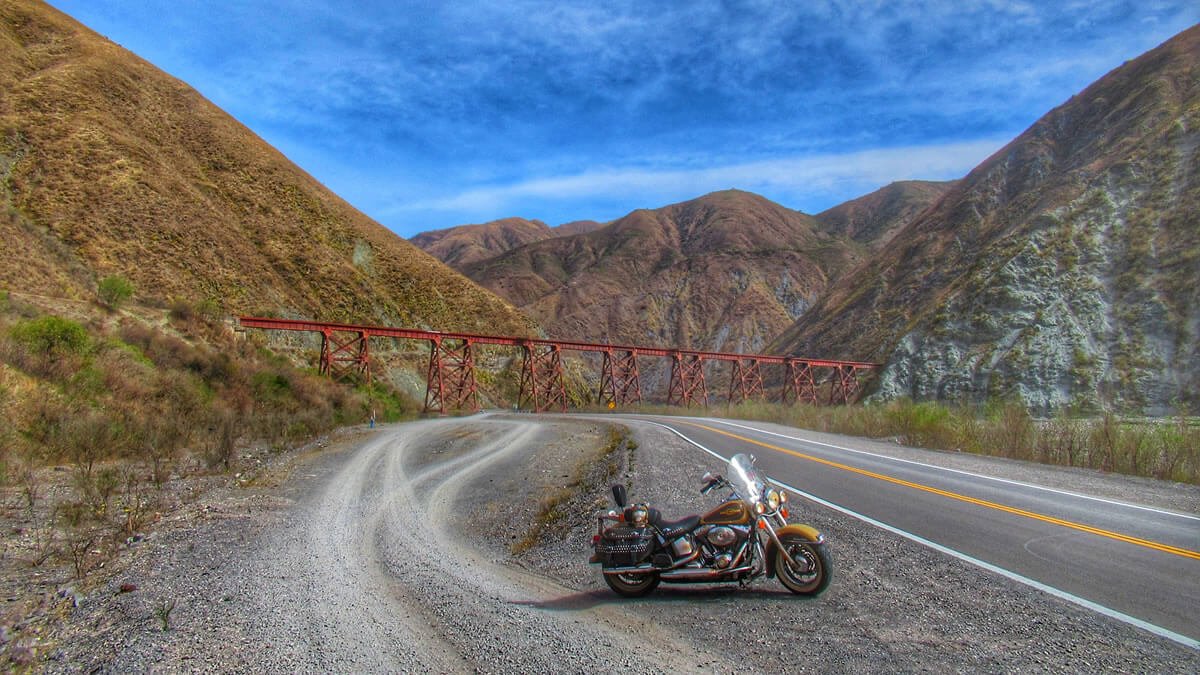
(1137, 561)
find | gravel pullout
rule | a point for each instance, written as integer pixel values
(394, 555)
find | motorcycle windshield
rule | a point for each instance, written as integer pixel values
(746, 478)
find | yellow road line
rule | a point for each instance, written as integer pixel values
(1166, 548)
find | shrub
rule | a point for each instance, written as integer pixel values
(114, 290)
(51, 336)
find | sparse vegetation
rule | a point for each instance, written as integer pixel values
(101, 422)
(114, 291)
(1167, 449)
(593, 470)
(162, 610)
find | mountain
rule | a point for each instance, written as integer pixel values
(110, 167)
(1062, 271)
(465, 244)
(873, 219)
(726, 271)
(576, 227)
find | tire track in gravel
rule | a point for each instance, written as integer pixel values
(391, 587)
(353, 615)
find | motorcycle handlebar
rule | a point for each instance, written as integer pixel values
(716, 482)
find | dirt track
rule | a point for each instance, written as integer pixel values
(393, 555)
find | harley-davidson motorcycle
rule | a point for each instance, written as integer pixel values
(746, 537)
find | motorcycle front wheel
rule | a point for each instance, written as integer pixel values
(632, 585)
(812, 576)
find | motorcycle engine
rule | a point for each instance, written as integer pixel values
(722, 536)
(721, 543)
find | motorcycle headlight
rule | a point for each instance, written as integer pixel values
(772, 500)
(782, 496)
(759, 509)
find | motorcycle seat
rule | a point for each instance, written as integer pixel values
(673, 528)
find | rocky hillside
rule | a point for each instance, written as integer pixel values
(873, 219)
(1062, 271)
(465, 244)
(725, 271)
(110, 167)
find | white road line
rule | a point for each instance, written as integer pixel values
(1057, 592)
(958, 471)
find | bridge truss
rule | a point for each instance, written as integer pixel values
(451, 383)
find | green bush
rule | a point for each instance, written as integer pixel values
(114, 290)
(51, 336)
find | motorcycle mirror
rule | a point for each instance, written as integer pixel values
(619, 494)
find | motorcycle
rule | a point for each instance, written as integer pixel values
(745, 537)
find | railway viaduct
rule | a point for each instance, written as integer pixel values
(451, 382)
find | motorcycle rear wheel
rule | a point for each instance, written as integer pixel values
(809, 581)
(632, 585)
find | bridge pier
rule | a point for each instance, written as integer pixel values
(340, 358)
(450, 382)
(619, 380)
(799, 385)
(541, 378)
(687, 378)
(745, 382)
(845, 385)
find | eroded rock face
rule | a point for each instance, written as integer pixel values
(1063, 272)
(1090, 305)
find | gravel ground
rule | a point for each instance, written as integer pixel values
(394, 554)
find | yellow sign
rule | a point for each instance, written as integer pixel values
(612, 404)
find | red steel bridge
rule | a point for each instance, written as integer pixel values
(451, 383)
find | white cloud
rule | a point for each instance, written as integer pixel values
(796, 175)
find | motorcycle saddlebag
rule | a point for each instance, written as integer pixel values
(624, 546)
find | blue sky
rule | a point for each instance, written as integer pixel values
(432, 114)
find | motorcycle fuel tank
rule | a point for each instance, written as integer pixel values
(732, 512)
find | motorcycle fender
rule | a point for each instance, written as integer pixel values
(795, 529)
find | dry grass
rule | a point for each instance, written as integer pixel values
(1167, 449)
(103, 423)
(110, 168)
(595, 469)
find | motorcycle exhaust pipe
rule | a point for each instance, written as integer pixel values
(705, 574)
(637, 569)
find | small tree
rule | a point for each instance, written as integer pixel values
(51, 336)
(114, 290)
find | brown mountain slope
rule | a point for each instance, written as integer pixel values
(109, 166)
(873, 219)
(725, 271)
(465, 244)
(576, 227)
(1063, 270)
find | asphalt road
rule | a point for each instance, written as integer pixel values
(1139, 564)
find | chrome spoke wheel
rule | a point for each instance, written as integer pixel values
(803, 567)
